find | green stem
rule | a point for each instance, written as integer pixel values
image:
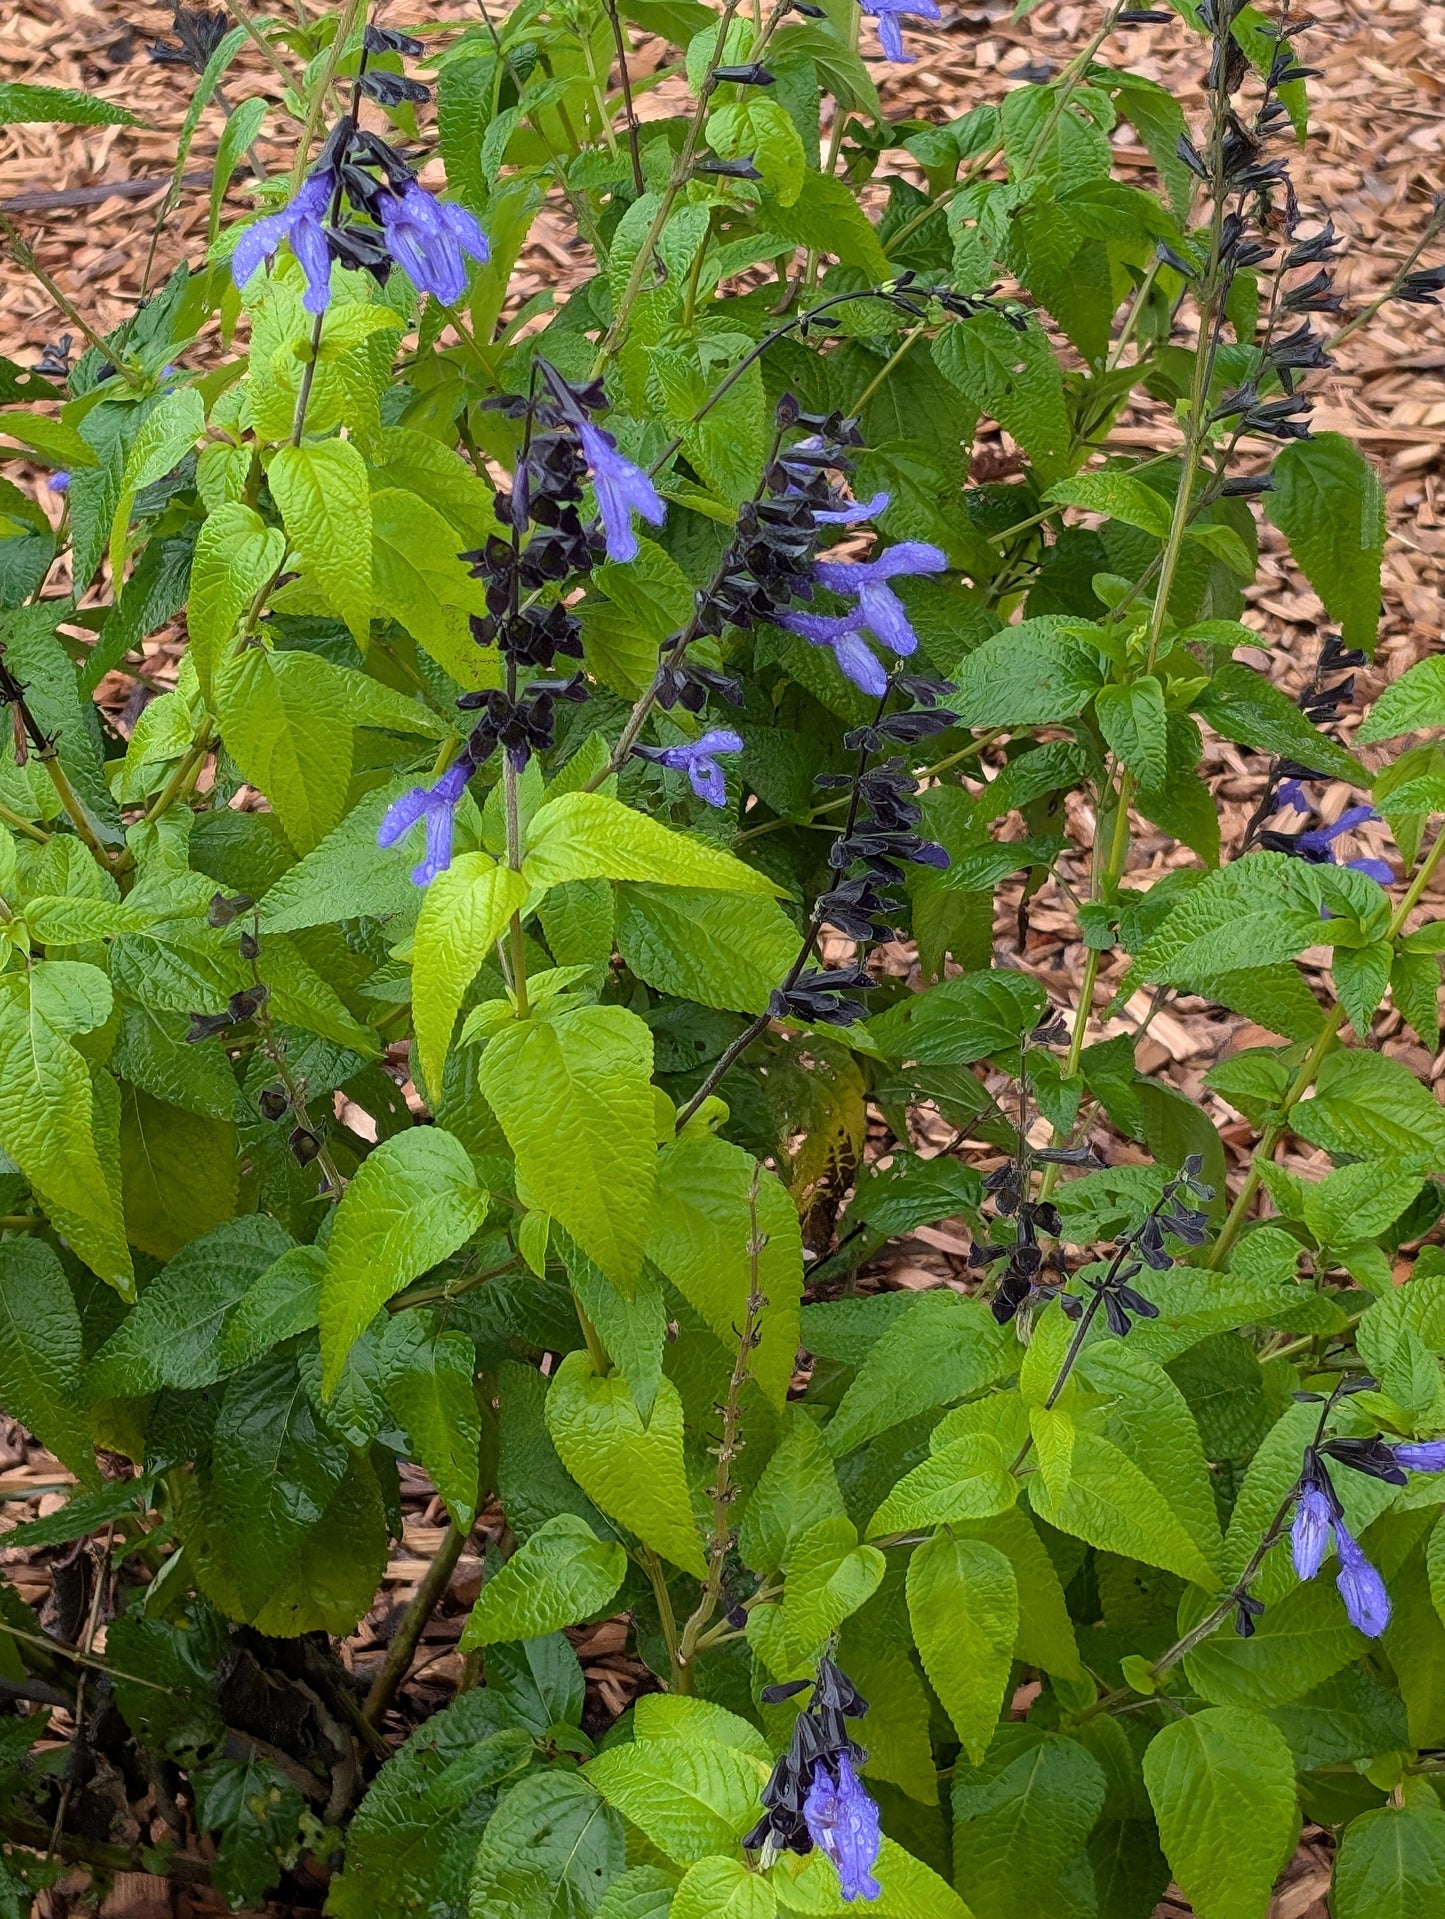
(667, 1619)
(316, 106)
(403, 1647)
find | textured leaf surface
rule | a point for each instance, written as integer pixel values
(1222, 1786)
(322, 490)
(562, 1574)
(963, 1603)
(463, 912)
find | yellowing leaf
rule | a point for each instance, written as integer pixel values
(322, 490)
(463, 912)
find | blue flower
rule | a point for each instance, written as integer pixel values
(696, 760)
(890, 32)
(843, 1823)
(428, 238)
(1422, 1455)
(622, 490)
(1291, 794)
(436, 804)
(842, 632)
(851, 515)
(300, 222)
(1310, 1534)
(879, 608)
(59, 482)
(1361, 1587)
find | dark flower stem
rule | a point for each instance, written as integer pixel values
(308, 375)
(730, 1444)
(628, 108)
(760, 1024)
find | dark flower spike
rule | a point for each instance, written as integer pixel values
(223, 910)
(389, 40)
(391, 89)
(1373, 1457)
(273, 1104)
(739, 169)
(751, 75)
(1422, 289)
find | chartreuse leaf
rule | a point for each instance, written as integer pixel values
(414, 1200)
(690, 1797)
(1241, 704)
(49, 1117)
(699, 1235)
(279, 718)
(723, 1888)
(630, 1467)
(322, 491)
(40, 1353)
(966, 1479)
(1028, 675)
(907, 1888)
(727, 950)
(671, 1715)
(1391, 1864)
(1415, 702)
(584, 836)
(574, 1097)
(798, 1487)
(943, 1348)
(1222, 1786)
(418, 581)
(1328, 503)
(236, 554)
(551, 1848)
(463, 913)
(562, 1574)
(1088, 1486)
(760, 130)
(1368, 1106)
(829, 1578)
(1119, 496)
(964, 1606)
(1250, 913)
(165, 437)
(642, 1892)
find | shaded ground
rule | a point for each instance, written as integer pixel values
(1375, 158)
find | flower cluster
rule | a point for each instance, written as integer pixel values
(1318, 1515)
(399, 222)
(1317, 843)
(814, 1797)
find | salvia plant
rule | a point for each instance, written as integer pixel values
(447, 1029)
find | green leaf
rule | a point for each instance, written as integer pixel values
(830, 1577)
(40, 1353)
(1413, 703)
(699, 1235)
(415, 1199)
(1330, 506)
(1028, 675)
(1046, 1633)
(1119, 496)
(1367, 1106)
(21, 103)
(1299, 1642)
(251, 1804)
(721, 1888)
(691, 1798)
(945, 1347)
(1133, 721)
(1222, 1786)
(798, 1488)
(965, 1479)
(48, 1109)
(964, 1606)
(179, 1173)
(165, 437)
(549, 1851)
(1250, 913)
(583, 836)
(343, 878)
(1012, 376)
(463, 913)
(322, 491)
(960, 1020)
(278, 714)
(826, 215)
(1241, 704)
(279, 1303)
(632, 1468)
(1391, 1864)
(429, 1385)
(574, 1098)
(1089, 1487)
(1019, 1822)
(561, 1575)
(727, 950)
(415, 1835)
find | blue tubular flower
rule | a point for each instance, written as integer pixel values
(888, 14)
(879, 607)
(428, 239)
(1422, 1455)
(301, 223)
(59, 482)
(843, 633)
(851, 515)
(622, 490)
(1318, 843)
(1361, 1587)
(1310, 1533)
(437, 805)
(843, 1823)
(1291, 794)
(695, 759)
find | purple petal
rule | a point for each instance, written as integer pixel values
(259, 240)
(438, 845)
(622, 489)
(1292, 794)
(1310, 1533)
(1361, 1587)
(402, 815)
(843, 1823)
(1379, 870)
(708, 780)
(466, 230)
(1422, 1455)
(721, 739)
(58, 482)
(308, 243)
(887, 618)
(821, 629)
(860, 666)
(851, 515)
(890, 39)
